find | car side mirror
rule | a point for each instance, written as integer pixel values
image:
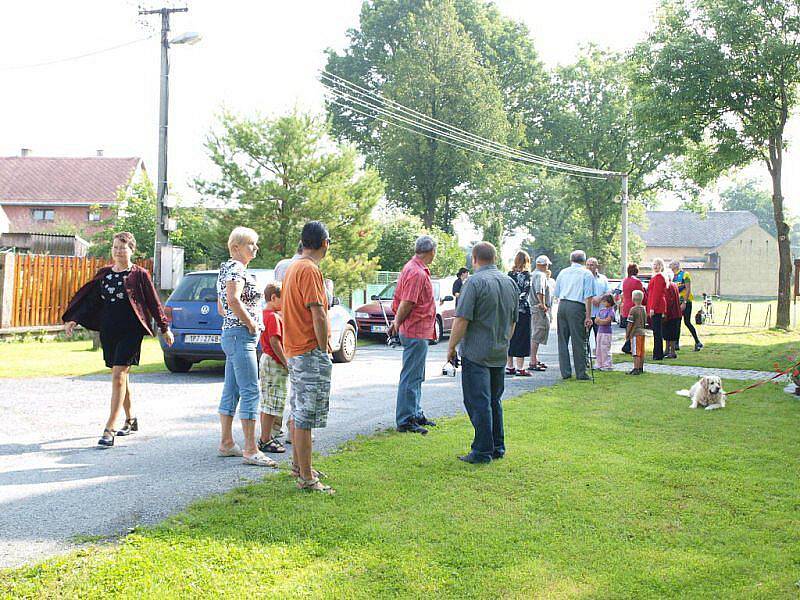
(448, 299)
(336, 301)
(374, 297)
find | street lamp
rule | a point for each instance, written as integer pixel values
(163, 223)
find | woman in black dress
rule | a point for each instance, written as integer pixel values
(120, 302)
(519, 347)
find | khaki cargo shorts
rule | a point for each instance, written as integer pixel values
(540, 325)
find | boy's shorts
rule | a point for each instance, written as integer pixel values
(273, 382)
(637, 346)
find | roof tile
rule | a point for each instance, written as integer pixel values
(42, 180)
(682, 228)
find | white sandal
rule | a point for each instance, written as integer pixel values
(234, 450)
(259, 459)
(314, 485)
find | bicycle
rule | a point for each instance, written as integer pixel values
(706, 312)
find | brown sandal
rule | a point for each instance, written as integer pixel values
(314, 485)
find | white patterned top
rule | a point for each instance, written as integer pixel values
(233, 270)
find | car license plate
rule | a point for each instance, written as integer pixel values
(201, 339)
(379, 329)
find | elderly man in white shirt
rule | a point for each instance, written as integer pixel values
(575, 289)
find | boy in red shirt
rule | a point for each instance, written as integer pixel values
(273, 374)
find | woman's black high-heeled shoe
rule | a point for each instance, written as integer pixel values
(107, 441)
(130, 426)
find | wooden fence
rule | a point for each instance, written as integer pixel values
(44, 285)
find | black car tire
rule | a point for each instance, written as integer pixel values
(438, 331)
(347, 348)
(176, 364)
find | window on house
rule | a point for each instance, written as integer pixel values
(93, 215)
(43, 214)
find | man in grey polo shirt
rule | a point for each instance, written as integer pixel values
(484, 323)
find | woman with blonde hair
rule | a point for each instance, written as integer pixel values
(120, 302)
(657, 306)
(239, 303)
(519, 347)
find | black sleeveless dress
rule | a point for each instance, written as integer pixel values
(121, 332)
(520, 344)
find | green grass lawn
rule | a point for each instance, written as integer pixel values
(609, 490)
(74, 358)
(734, 348)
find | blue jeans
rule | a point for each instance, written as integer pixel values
(241, 373)
(483, 388)
(409, 390)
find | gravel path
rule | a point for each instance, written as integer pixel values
(57, 489)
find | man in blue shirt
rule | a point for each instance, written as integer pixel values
(575, 288)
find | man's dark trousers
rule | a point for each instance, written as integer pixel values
(571, 316)
(483, 388)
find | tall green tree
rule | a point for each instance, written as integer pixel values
(277, 174)
(748, 194)
(396, 242)
(420, 55)
(136, 212)
(722, 79)
(396, 246)
(591, 120)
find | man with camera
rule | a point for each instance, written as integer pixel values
(415, 321)
(484, 323)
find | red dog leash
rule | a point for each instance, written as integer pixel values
(759, 383)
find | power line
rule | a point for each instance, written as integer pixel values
(373, 98)
(498, 151)
(490, 154)
(417, 115)
(70, 58)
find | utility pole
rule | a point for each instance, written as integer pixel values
(162, 233)
(624, 252)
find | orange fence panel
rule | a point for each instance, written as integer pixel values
(44, 285)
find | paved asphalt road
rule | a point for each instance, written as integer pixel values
(57, 488)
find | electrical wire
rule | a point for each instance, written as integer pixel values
(451, 128)
(504, 152)
(374, 97)
(516, 161)
(472, 147)
(70, 58)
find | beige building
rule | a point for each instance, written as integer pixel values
(727, 253)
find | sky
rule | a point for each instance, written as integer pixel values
(256, 56)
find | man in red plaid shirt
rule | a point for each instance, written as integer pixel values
(415, 318)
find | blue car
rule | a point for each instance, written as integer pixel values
(197, 326)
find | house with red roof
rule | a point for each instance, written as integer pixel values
(40, 194)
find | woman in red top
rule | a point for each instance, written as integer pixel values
(630, 284)
(672, 319)
(657, 306)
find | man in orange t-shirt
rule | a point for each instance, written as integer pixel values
(305, 344)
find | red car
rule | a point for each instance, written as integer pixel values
(371, 321)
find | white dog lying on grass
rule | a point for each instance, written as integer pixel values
(707, 392)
